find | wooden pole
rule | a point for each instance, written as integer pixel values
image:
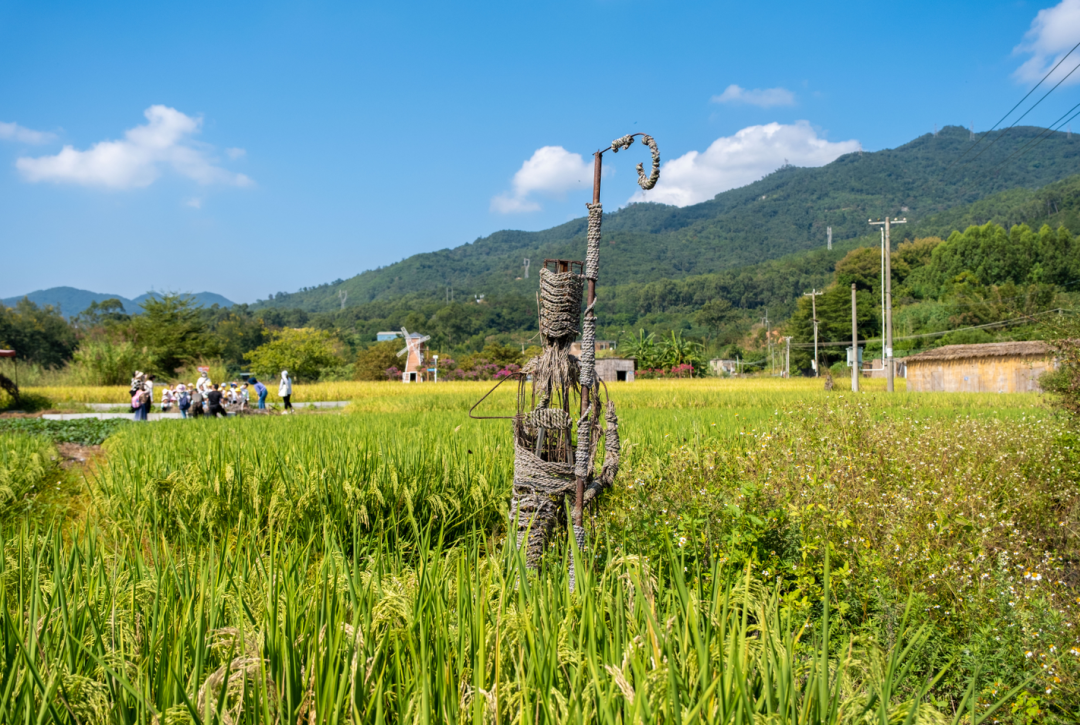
(888, 355)
(854, 344)
(813, 295)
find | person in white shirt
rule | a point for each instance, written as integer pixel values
(285, 389)
(203, 384)
(166, 399)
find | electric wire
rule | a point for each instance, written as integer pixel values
(1052, 128)
(999, 323)
(1018, 103)
(1011, 126)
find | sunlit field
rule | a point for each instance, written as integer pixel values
(770, 553)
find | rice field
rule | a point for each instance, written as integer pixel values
(353, 566)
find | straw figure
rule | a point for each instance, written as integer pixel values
(560, 420)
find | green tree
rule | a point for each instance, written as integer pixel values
(716, 314)
(37, 334)
(373, 362)
(304, 352)
(173, 332)
(677, 350)
(834, 324)
(643, 349)
(101, 314)
(1063, 336)
(861, 266)
(236, 334)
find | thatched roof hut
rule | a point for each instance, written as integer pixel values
(995, 367)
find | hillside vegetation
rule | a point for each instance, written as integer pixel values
(785, 212)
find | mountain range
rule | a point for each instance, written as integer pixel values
(786, 212)
(71, 301)
(939, 182)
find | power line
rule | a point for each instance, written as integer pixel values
(1041, 137)
(1018, 103)
(1000, 323)
(1000, 135)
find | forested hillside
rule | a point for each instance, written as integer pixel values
(784, 213)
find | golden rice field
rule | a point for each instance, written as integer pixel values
(771, 553)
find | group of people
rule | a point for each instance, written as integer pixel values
(204, 397)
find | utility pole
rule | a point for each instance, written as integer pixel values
(828, 231)
(854, 344)
(889, 367)
(787, 358)
(813, 295)
(768, 342)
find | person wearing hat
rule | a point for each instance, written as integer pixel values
(261, 390)
(137, 383)
(284, 389)
(183, 399)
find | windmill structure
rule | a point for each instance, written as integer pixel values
(414, 356)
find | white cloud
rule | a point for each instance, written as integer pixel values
(194, 202)
(235, 153)
(733, 161)
(762, 97)
(551, 171)
(15, 132)
(137, 160)
(1053, 32)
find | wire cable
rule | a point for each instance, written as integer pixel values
(1000, 323)
(1005, 131)
(1018, 103)
(1040, 138)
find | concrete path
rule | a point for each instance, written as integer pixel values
(166, 416)
(107, 416)
(108, 407)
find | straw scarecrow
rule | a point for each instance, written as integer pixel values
(551, 463)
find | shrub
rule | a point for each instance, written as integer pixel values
(105, 362)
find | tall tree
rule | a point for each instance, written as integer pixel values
(173, 333)
(37, 334)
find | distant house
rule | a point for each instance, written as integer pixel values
(615, 369)
(384, 336)
(876, 368)
(997, 367)
(724, 367)
(575, 347)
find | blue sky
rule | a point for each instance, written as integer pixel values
(261, 147)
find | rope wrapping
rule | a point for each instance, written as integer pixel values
(560, 304)
(645, 182)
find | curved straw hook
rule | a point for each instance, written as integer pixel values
(645, 182)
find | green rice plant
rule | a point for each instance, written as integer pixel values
(243, 631)
(25, 463)
(291, 475)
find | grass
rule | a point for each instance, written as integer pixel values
(771, 554)
(82, 431)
